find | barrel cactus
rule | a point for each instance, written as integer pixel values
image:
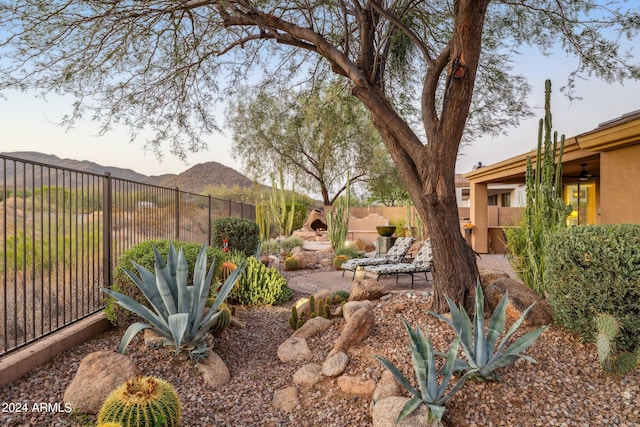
(222, 321)
(226, 268)
(142, 402)
(339, 260)
(291, 264)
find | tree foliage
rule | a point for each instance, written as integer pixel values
(288, 130)
(385, 183)
(428, 72)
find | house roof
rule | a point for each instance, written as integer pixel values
(579, 149)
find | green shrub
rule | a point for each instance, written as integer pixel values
(260, 285)
(594, 269)
(348, 250)
(242, 234)
(143, 254)
(274, 246)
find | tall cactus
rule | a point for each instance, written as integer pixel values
(263, 219)
(338, 219)
(546, 211)
(282, 216)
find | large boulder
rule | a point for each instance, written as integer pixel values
(487, 277)
(350, 307)
(214, 371)
(356, 385)
(306, 258)
(520, 297)
(364, 245)
(286, 399)
(366, 290)
(98, 375)
(335, 364)
(355, 330)
(313, 327)
(308, 375)
(294, 349)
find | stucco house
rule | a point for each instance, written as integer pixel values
(601, 171)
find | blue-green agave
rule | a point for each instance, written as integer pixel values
(178, 309)
(431, 393)
(482, 355)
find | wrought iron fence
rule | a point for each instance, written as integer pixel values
(63, 230)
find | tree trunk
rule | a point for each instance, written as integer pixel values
(429, 169)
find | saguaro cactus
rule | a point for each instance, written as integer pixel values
(546, 211)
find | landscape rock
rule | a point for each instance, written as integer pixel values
(520, 297)
(385, 413)
(153, 339)
(366, 290)
(214, 371)
(386, 387)
(335, 364)
(356, 386)
(364, 245)
(308, 375)
(351, 307)
(98, 375)
(305, 258)
(293, 348)
(286, 399)
(355, 330)
(313, 327)
(487, 277)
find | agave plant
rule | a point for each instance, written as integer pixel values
(178, 309)
(482, 355)
(431, 393)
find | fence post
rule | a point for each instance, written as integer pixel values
(177, 213)
(107, 226)
(209, 224)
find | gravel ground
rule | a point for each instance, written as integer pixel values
(565, 388)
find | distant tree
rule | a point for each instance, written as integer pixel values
(314, 136)
(429, 72)
(385, 183)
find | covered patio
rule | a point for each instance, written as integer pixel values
(600, 175)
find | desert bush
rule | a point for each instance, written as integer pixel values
(595, 269)
(347, 250)
(242, 234)
(260, 285)
(143, 254)
(280, 246)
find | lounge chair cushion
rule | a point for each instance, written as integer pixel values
(395, 254)
(421, 263)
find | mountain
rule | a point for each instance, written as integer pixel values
(194, 179)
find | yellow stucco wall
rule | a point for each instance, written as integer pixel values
(620, 186)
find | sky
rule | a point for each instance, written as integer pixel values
(28, 123)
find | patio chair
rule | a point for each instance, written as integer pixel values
(422, 263)
(396, 253)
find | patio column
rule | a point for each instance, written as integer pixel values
(479, 196)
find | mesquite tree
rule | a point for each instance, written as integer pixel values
(413, 64)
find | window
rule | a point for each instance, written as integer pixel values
(505, 200)
(493, 200)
